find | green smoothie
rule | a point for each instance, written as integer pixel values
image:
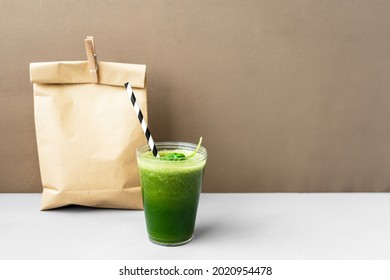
(171, 186)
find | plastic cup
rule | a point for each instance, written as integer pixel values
(170, 191)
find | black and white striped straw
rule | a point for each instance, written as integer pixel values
(141, 119)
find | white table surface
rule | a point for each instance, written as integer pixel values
(229, 226)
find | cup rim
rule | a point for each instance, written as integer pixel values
(171, 145)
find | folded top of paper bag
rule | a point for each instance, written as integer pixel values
(110, 73)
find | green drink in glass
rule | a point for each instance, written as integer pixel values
(171, 185)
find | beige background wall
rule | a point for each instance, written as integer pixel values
(288, 95)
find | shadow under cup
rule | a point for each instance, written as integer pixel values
(171, 190)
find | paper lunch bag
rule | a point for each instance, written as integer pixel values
(87, 133)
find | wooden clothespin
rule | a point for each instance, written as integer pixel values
(92, 58)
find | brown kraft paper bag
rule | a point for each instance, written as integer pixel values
(87, 133)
